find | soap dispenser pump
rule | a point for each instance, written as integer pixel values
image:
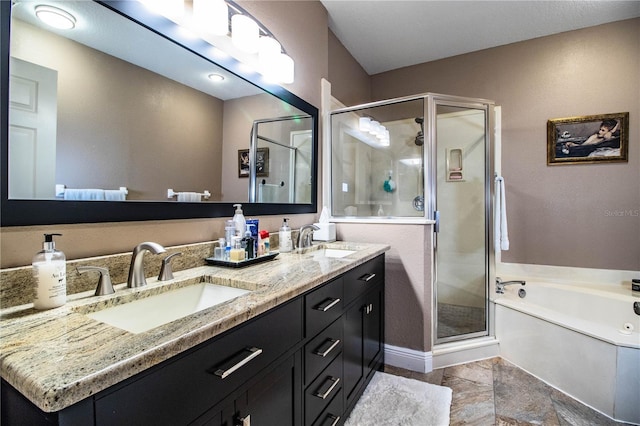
(239, 221)
(285, 243)
(50, 275)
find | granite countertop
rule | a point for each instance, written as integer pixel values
(60, 356)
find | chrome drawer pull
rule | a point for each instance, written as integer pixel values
(367, 277)
(333, 419)
(327, 304)
(245, 421)
(325, 394)
(334, 344)
(253, 352)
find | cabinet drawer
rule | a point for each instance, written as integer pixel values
(333, 414)
(323, 306)
(361, 278)
(320, 351)
(322, 390)
(177, 392)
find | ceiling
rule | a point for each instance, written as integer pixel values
(109, 32)
(383, 35)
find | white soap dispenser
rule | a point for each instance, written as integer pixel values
(285, 243)
(50, 275)
(239, 220)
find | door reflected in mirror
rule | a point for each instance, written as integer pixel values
(110, 110)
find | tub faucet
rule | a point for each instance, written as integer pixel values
(304, 236)
(136, 270)
(500, 285)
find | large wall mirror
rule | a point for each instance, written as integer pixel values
(120, 119)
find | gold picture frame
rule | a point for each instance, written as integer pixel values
(589, 139)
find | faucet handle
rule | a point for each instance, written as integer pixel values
(166, 271)
(104, 282)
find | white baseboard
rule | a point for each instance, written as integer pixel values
(448, 354)
(444, 355)
(409, 359)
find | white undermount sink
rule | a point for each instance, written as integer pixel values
(144, 314)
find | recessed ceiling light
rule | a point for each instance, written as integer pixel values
(216, 78)
(55, 17)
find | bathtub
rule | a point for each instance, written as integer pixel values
(581, 339)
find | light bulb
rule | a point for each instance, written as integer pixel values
(364, 124)
(211, 16)
(286, 68)
(268, 54)
(245, 33)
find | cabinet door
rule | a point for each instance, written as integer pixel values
(372, 328)
(352, 350)
(363, 341)
(274, 400)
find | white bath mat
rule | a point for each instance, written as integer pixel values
(393, 401)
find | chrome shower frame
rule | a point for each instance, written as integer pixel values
(435, 100)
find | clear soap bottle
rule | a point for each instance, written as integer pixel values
(285, 243)
(239, 220)
(50, 275)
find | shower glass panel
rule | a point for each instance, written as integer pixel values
(377, 160)
(280, 169)
(461, 244)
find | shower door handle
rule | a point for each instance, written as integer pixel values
(436, 217)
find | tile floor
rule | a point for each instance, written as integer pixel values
(496, 392)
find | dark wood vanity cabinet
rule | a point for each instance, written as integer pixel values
(351, 310)
(363, 328)
(305, 362)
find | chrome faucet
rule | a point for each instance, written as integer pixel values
(136, 270)
(500, 285)
(304, 236)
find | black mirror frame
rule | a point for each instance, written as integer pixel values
(48, 212)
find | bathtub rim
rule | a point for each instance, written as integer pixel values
(588, 328)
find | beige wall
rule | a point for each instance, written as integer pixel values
(302, 27)
(349, 81)
(157, 121)
(568, 215)
(407, 269)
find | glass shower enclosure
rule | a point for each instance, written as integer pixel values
(425, 159)
(281, 159)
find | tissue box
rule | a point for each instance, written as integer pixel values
(327, 232)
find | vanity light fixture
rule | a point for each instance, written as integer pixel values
(374, 128)
(245, 33)
(55, 17)
(211, 16)
(230, 28)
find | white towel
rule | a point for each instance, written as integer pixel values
(500, 218)
(84, 194)
(115, 195)
(188, 197)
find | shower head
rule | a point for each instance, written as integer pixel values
(420, 137)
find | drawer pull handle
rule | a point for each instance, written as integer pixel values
(367, 277)
(333, 342)
(245, 421)
(331, 418)
(327, 304)
(238, 361)
(323, 395)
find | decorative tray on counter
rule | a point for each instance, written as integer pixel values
(241, 263)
